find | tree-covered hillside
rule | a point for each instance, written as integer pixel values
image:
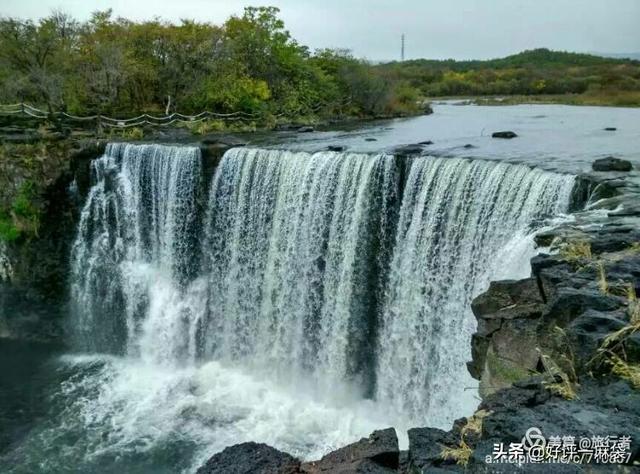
(534, 72)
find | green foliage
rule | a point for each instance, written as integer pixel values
(250, 63)
(132, 133)
(591, 79)
(8, 231)
(207, 126)
(22, 219)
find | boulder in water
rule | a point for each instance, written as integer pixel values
(306, 129)
(426, 142)
(336, 148)
(611, 164)
(379, 453)
(508, 134)
(370, 139)
(610, 129)
(254, 458)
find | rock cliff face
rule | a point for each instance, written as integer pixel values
(39, 199)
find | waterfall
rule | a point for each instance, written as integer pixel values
(345, 275)
(292, 242)
(458, 221)
(133, 253)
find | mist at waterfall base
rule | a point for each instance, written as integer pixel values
(298, 299)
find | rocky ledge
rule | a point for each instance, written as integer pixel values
(557, 355)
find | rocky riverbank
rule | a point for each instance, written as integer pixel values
(557, 355)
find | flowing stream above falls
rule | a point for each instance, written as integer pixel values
(297, 299)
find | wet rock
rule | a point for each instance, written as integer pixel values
(611, 164)
(610, 129)
(306, 129)
(427, 109)
(222, 140)
(407, 150)
(506, 134)
(593, 187)
(370, 139)
(469, 146)
(251, 458)
(426, 142)
(377, 454)
(336, 148)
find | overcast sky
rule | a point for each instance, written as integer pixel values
(460, 29)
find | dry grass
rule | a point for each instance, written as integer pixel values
(559, 382)
(603, 284)
(462, 453)
(624, 370)
(611, 353)
(576, 251)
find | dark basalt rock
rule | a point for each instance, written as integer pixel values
(588, 331)
(370, 139)
(508, 299)
(611, 164)
(427, 110)
(306, 129)
(426, 142)
(602, 409)
(425, 448)
(336, 148)
(610, 129)
(251, 458)
(407, 150)
(506, 134)
(468, 146)
(377, 454)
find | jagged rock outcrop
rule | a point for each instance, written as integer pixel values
(251, 458)
(379, 453)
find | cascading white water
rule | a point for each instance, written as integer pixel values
(458, 224)
(290, 239)
(133, 253)
(334, 287)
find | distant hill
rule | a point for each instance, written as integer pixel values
(536, 72)
(634, 56)
(540, 57)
